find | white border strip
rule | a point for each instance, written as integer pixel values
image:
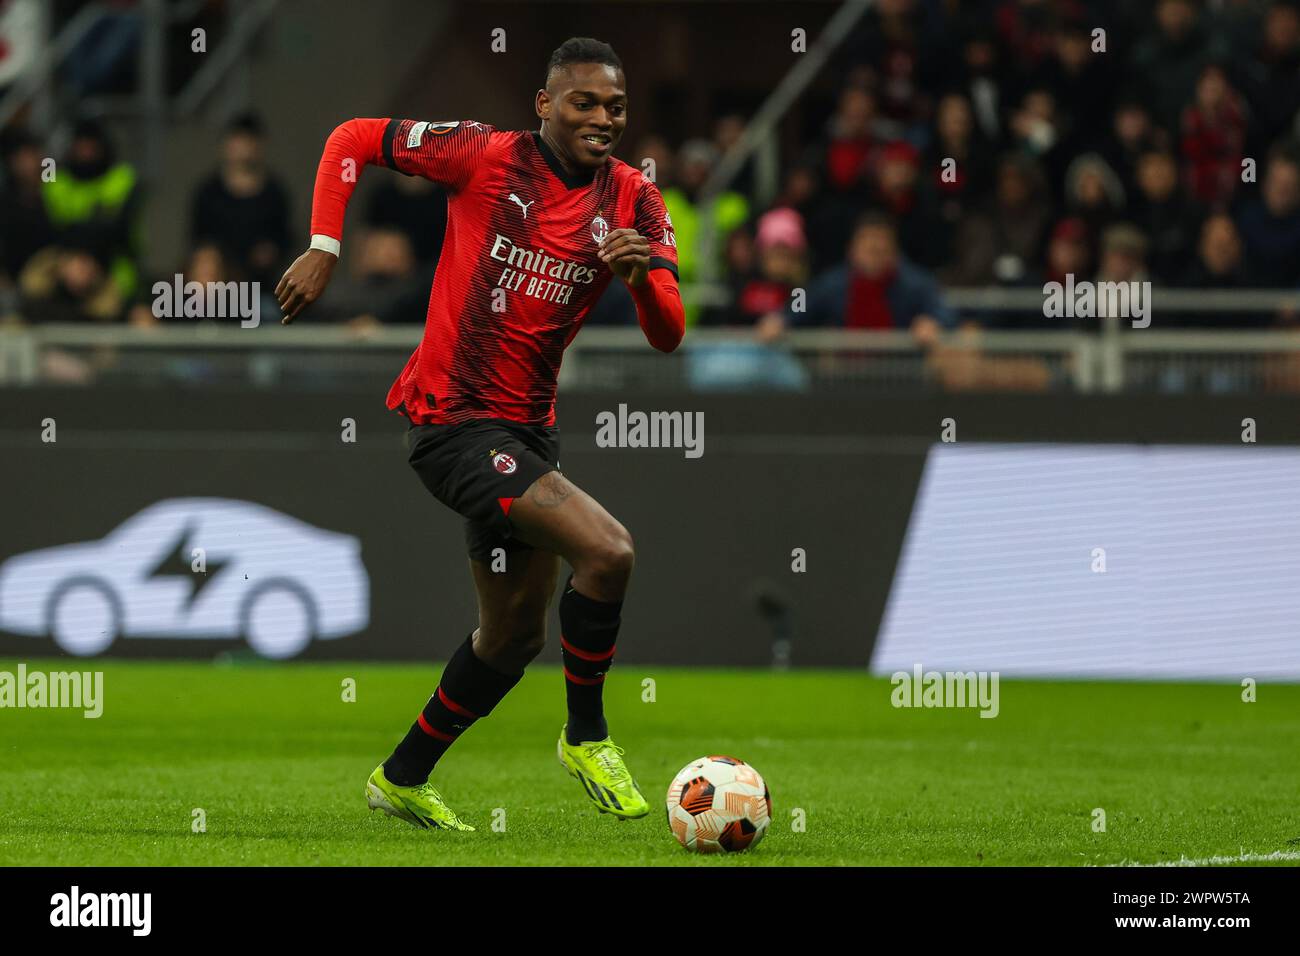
(1242, 857)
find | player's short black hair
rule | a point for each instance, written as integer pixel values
(582, 50)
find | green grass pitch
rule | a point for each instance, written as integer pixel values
(277, 761)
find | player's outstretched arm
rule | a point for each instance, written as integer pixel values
(350, 148)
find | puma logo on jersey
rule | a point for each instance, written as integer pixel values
(521, 204)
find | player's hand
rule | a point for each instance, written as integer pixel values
(627, 253)
(304, 281)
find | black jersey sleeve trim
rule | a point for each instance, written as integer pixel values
(390, 132)
(659, 262)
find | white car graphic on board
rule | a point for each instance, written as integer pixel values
(271, 579)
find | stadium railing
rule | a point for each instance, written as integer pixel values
(1114, 357)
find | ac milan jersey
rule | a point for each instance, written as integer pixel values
(519, 269)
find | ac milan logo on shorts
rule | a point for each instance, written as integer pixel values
(599, 228)
(503, 463)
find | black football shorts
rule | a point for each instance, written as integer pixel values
(476, 467)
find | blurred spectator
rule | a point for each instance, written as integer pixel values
(956, 138)
(1081, 82)
(1218, 256)
(1218, 265)
(823, 214)
(798, 190)
(1026, 26)
(876, 288)
(1213, 134)
(741, 257)
(24, 224)
(1001, 242)
(1122, 260)
(1123, 255)
(1068, 251)
(415, 207)
(853, 135)
(1270, 80)
(1270, 224)
(70, 281)
(1039, 131)
(692, 167)
(206, 264)
(1236, 25)
(886, 40)
(1131, 136)
(765, 269)
(243, 208)
(978, 78)
(1170, 222)
(956, 171)
(1168, 63)
(921, 233)
(382, 286)
(94, 192)
(1093, 194)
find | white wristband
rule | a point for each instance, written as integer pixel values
(326, 244)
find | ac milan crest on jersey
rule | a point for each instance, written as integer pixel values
(502, 462)
(599, 228)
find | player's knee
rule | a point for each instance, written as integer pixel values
(515, 642)
(611, 559)
(526, 642)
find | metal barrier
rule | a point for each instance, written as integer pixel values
(324, 357)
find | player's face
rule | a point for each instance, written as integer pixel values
(585, 107)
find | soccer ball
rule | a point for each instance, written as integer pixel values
(718, 803)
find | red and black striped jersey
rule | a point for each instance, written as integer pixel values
(519, 269)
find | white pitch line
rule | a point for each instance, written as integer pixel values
(1242, 857)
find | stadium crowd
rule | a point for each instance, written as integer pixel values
(976, 143)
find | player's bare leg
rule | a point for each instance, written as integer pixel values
(512, 606)
(556, 516)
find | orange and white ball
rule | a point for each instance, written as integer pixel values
(718, 804)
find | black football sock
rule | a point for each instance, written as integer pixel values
(469, 689)
(588, 629)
